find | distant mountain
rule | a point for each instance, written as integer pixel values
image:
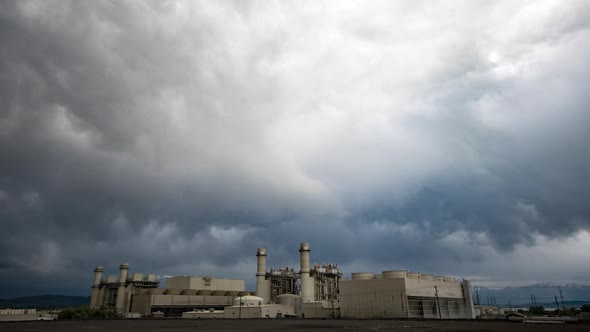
(45, 302)
(551, 284)
(541, 293)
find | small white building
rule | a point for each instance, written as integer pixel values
(253, 307)
(203, 314)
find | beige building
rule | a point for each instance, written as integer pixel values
(404, 294)
(205, 283)
(140, 295)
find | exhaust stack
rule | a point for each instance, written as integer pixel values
(262, 285)
(95, 287)
(307, 283)
(123, 269)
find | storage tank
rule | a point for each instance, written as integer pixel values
(292, 300)
(394, 274)
(362, 275)
(189, 292)
(173, 291)
(414, 275)
(288, 299)
(248, 301)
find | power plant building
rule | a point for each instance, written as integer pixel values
(313, 290)
(317, 291)
(140, 296)
(396, 294)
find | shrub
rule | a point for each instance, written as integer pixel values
(85, 312)
(572, 312)
(537, 310)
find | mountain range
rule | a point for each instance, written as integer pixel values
(45, 302)
(546, 293)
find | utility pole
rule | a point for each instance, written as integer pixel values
(561, 295)
(532, 301)
(437, 303)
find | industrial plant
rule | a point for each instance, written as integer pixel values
(317, 291)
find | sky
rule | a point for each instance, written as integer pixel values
(445, 137)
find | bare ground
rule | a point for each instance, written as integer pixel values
(307, 325)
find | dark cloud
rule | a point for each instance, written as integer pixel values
(181, 136)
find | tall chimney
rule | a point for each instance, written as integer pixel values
(123, 269)
(262, 285)
(94, 302)
(307, 284)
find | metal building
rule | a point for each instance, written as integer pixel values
(317, 287)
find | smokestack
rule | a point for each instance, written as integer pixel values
(123, 269)
(307, 284)
(94, 302)
(262, 285)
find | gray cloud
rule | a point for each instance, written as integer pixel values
(180, 136)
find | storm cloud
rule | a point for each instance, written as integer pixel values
(449, 137)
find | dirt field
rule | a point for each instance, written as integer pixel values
(308, 325)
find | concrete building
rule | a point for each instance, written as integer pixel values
(254, 307)
(202, 313)
(404, 294)
(9, 314)
(138, 295)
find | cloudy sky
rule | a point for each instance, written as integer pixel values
(447, 137)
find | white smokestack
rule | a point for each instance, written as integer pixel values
(95, 290)
(262, 285)
(307, 284)
(124, 268)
